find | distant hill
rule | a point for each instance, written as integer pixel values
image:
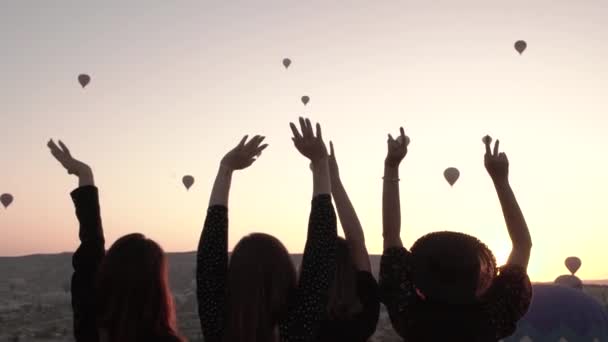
(50, 271)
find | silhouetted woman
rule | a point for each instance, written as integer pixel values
(256, 297)
(122, 295)
(354, 302)
(448, 287)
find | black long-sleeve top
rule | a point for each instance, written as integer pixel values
(86, 261)
(308, 304)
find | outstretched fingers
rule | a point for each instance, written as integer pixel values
(242, 143)
(488, 149)
(294, 130)
(65, 148)
(56, 151)
(259, 150)
(319, 135)
(331, 149)
(309, 131)
(304, 128)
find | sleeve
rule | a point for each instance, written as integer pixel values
(397, 290)
(309, 304)
(211, 272)
(86, 261)
(368, 292)
(508, 299)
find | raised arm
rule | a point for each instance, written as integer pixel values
(497, 166)
(212, 252)
(348, 217)
(88, 256)
(309, 304)
(391, 208)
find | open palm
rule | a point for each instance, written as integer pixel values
(307, 143)
(64, 157)
(244, 154)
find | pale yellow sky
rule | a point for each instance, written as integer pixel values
(174, 87)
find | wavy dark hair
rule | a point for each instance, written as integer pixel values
(343, 297)
(134, 302)
(452, 267)
(261, 279)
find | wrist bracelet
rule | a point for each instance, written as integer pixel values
(391, 179)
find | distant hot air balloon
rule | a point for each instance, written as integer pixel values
(520, 46)
(573, 264)
(569, 280)
(487, 140)
(407, 140)
(559, 313)
(84, 79)
(6, 200)
(188, 181)
(305, 99)
(451, 174)
(286, 62)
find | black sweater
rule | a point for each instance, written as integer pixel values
(308, 304)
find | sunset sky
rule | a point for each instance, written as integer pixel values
(175, 85)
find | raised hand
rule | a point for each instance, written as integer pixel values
(397, 149)
(311, 146)
(244, 154)
(72, 165)
(496, 163)
(334, 172)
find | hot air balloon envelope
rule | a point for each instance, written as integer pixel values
(487, 139)
(84, 79)
(305, 100)
(451, 174)
(520, 46)
(407, 140)
(188, 181)
(573, 264)
(286, 62)
(6, 200)
(569, 280)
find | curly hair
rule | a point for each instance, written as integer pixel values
(452, 267)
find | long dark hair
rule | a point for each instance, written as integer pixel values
(343, 297)
(261, 278)
(134, 302)
(448, 266)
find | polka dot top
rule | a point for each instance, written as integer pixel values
(306, 307)
(493, 317)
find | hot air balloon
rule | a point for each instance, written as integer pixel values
(6, 200)
(305, 99)
(520, 46)
(559, 313)
(84, 79)
(286, 62)
(568, 280)
(573, 264)
(487, 139)
(407, 140)
(451, 174)
(188, 181)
